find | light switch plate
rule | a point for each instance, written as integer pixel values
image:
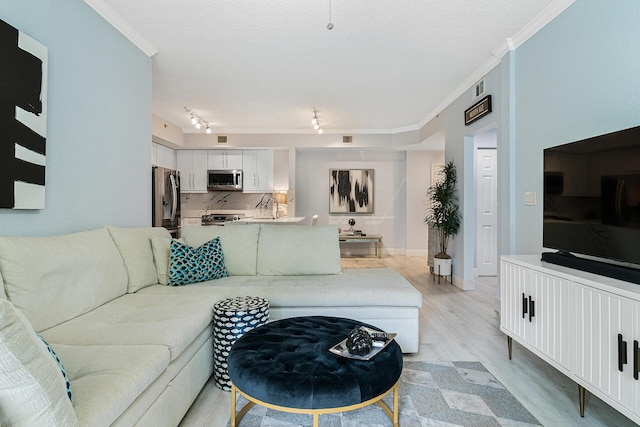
(529, 198)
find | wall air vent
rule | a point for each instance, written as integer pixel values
(347, 139)
(478, 89)
(222, 139)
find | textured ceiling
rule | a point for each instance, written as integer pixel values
(262, 65)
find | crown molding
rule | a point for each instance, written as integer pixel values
(122, 25)
(509, 44)
(464, 87)
(540, 21)
(192, 130)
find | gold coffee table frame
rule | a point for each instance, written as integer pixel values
(393, 415)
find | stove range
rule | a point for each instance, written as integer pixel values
(219, 219)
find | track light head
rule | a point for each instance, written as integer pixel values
(197, 121)
(315, 121)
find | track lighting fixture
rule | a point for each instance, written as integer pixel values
(315, 122)
(197, 121)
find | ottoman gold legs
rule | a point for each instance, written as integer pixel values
(235, 419)
(315, 413)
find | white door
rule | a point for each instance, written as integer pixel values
(486, 215)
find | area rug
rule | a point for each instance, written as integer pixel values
(347, 263)
(431, 394)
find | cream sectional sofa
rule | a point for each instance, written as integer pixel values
(138, 352)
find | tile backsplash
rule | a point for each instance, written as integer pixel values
(197, 204)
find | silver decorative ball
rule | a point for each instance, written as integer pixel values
(329, 26)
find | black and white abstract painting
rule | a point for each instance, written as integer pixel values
(23, 119)
(351, 191)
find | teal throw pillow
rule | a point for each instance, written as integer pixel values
(57, 359)
(192, 265)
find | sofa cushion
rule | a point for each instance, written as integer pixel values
(367, 287)
(192, 265)
(38, 271)
(107, 379)
(161, 247)
(173, 321)
(32, 391)
(134, 245)
(289, 250)
(239, 244)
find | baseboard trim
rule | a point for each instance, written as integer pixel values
(416, 252)
(465, 285)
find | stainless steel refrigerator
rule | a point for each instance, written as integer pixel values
(166, 199)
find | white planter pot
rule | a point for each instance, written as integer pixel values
(442, 266)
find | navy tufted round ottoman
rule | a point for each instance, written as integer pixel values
(286, 365)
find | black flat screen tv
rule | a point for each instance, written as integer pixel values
(592, 198)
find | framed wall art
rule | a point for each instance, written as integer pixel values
(23, 119)
(351, 191)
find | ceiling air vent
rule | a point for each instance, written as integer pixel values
(222, 139)
(347, 139)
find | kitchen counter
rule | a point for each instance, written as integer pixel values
(285, 220)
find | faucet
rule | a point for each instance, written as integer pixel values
(277, 205)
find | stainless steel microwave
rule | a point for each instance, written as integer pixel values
(224, 180)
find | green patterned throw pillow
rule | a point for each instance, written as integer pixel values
(192, 265)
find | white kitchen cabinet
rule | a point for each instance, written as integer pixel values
(224, 159)
(192, 165)
(585, 325)
(163, 156)
(257, 169)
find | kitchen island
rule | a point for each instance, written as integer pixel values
(284, 220)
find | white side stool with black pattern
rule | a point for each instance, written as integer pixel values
(232, 318)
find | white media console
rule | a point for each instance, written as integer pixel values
(585, 325)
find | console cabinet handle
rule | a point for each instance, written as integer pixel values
(532, 308)
(636, 354)
(622, 353)
(524, 306)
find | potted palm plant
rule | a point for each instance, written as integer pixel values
(443, 215)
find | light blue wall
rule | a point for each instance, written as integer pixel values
(98, 124)
(459, 147)
(577, 77)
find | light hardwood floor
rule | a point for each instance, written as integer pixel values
(463, 326)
